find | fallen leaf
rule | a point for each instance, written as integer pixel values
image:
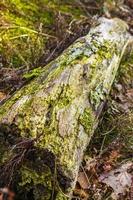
(81, 193)
(114, 155)
(129, 94)
(107, 167)
(2, 96)
(82, 180)
(119, 179)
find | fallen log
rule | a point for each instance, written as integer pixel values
(58, 111)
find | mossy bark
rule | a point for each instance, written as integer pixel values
(62, 105)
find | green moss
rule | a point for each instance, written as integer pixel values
(87, 120)
(33, 179)
(98, 92)
(21, 41)
(66, 6)
(4, 153)
(105, 51)
(22, 38)
(19, 45)
(34, 73)
(30, 176)
(66, 97)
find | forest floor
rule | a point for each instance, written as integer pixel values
(107, 170)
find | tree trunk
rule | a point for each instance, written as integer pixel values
(59, 109)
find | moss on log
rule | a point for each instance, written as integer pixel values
(59, 109)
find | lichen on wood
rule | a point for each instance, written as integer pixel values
(62, 105)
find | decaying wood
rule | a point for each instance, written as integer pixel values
(60, 108)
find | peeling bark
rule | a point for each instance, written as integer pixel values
(62, 105)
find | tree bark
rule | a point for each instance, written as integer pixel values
(60, 108)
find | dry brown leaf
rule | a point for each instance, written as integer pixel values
(107, 167)
(119, 179)
(2, 96)
(115, 154)
(81, 193)
(83, 181)
(129, 94)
